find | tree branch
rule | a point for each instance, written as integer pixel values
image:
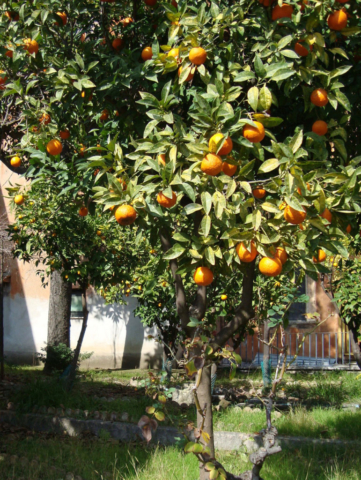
(244, 312)
(181, 301)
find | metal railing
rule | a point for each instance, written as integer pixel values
(319, 350)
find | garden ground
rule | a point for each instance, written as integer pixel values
(45, 456)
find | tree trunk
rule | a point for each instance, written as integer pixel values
(74, 363)
(205, 403)
(59, 312)
(356, 349)
(266, 358)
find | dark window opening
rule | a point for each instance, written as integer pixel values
(297, 310)
(76, 309)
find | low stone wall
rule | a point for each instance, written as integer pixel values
(123, 431)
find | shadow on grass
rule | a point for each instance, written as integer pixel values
(104, 461)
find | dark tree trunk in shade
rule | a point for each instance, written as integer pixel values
(355, 345)
(74, 363)
(59, 312)
(205, 402)
(266, 357)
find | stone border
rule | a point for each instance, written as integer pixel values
(126, 432)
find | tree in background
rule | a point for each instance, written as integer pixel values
(233, 144)
(61, 238)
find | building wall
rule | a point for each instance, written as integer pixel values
(114, 333)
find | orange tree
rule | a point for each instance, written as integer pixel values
(57, 233)
(233, 122)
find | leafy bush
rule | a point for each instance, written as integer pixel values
(58, 357)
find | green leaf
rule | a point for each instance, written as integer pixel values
(244, 76)
(289, 53)
(192, 207)
(252, 96)
(256, 219)
(206, 199)
(87, 84)
(265, 98)
(209, 255)
(174, 252)
(269, 165)
(296, 141)
(79, 61)
(284, 41)
(205, 225)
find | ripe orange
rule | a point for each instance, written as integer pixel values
(254, 134)
(64, 134)
(82, 150)
(320, 127)
(293, 216)
(337, 20)
(2, 80)
(54, 147)
(127, 21)
(15, 162)
(83, 211)
(150, 3)
(31, 46)
(327, 215)
(161, 159)
(271, 267)
(321, 257)
(190, 75)
(166, 202)
(211, 164)
(197, 55)
(9, 53)
(174, 52)
(104, 116)
(224, 297)
(229, 169)
(203, 276)
(348, 228)
(303, 4)
(266, 3)
(342, 1)
(19, 199)
(319, 97)
(281, 254)
(259, 192)
(147, 53)
(285, 11)
(226, 147)
(125, 215)
(117, 43)
(82, 37)
(244, 254)
(45, 119)
(123, 183)
(63, 16)
(301, 50)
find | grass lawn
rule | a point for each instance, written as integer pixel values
(318, 422)
(100, 460)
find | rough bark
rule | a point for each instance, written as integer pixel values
(205, 424)
(59, 312)
(74, 363)
(355, 345)
(266, 357)
(244, 312)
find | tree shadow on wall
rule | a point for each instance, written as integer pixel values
(128, 334)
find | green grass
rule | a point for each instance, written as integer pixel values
(97, 460)
(317, 423)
